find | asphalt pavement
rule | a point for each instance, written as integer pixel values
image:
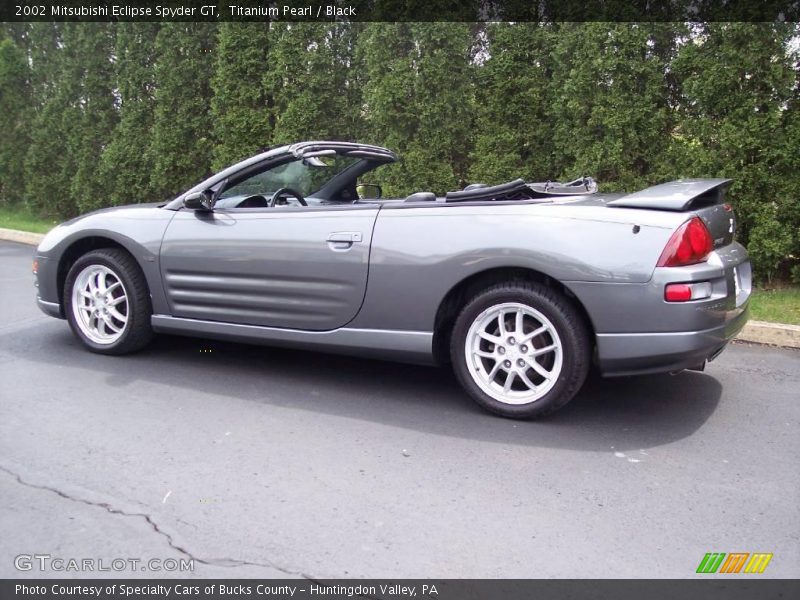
(264, 462)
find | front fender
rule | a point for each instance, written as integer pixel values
(137, 230)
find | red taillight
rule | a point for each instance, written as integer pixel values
(677, 292)
(683, 292)
(689, 245)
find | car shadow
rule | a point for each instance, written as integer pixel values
(619, 413)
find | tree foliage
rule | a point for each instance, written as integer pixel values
(15, 100)
(48, 166)
(181, 147)
(241, 107)
(418, 100)
(91, 114)
(125, 164)
(309, 78)
(513, 137)
(609, 111)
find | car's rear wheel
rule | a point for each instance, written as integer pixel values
(107, 302)
(520, 349)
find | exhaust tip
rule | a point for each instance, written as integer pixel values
(700, 367)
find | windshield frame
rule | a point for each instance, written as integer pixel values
(373, 155)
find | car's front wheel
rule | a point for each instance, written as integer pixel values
(520, 349)
(107, 302)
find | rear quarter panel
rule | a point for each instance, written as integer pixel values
(420, 253)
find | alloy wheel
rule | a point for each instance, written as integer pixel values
(513, 353)
(100, 304)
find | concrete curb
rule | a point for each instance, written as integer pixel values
(759, 332)
(22, 237)
(776, 334)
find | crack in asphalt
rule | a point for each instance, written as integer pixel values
(215, 562)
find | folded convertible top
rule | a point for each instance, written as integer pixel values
(582, 185)
(519, 190)
(494, 192)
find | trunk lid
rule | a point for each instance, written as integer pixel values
(703, 197)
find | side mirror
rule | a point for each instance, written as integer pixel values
(199, 201)
(369, 191)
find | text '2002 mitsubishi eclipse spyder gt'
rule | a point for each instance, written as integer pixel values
(521, 286)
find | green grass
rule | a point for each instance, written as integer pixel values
(780, 305)
(23, 220)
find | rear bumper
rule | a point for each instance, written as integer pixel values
(638, 332)
(641, 353)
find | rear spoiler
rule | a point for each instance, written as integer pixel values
(678, 196)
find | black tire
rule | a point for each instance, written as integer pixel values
(137, 331)
(570, 326)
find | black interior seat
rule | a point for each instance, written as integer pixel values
(255, 201)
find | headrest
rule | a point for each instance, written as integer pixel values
(421, 197)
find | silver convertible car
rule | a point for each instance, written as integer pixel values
(522, 287)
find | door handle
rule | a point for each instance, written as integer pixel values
(340, 241)
(340, 237)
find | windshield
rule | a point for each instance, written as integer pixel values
(305, 175)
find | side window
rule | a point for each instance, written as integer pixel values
(306, 176)
(293, 175)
